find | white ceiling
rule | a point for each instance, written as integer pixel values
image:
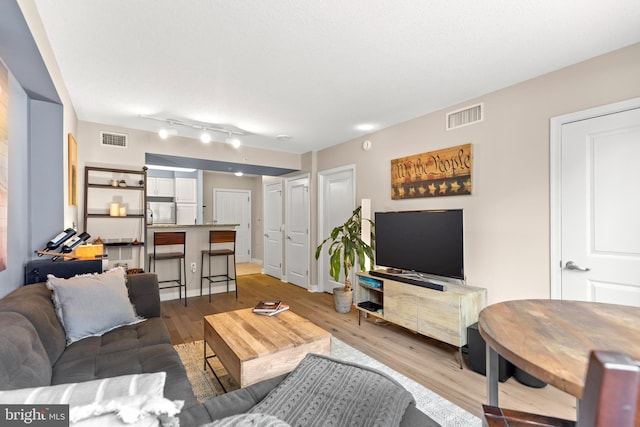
(313, 69)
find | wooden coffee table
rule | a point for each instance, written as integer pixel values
(253, 347)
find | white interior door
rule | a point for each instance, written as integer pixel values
(273, 229)
(336, 189)
(234, 207)
(600, 209)
(297, 231)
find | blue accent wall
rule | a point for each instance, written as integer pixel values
(36, 188)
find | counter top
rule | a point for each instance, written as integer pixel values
(191, 226)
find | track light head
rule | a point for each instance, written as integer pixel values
(205, 137)
(167, 132)
(235, 142)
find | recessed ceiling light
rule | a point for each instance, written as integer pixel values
(366, 126)
(283, 137)
(238, 174)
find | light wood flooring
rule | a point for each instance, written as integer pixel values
(426, 361)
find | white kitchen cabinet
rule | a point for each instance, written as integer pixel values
(186, 213)
(186, 190)
(160, 187)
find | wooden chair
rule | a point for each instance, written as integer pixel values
(176, 239)
(217, 237)
(611, 398)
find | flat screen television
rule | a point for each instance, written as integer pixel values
(426, 242)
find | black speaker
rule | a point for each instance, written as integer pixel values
(527, 379)
(36, 271)
(477, 353)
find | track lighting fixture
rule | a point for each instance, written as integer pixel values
(206, 129)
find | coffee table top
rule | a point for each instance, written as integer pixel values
(250, 335)
(552, 339)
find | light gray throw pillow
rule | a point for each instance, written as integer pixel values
(92, 304)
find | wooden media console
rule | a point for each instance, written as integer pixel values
(442, 315)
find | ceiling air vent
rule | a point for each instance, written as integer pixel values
(465, 116)
(110, 139)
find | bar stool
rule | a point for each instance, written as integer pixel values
(216, 237)
(171, 238)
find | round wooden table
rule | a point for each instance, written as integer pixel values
(552, 339)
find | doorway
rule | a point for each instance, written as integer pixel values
(234, 207)
(273, 229)
(595, 249)
(336, 202)
(297, 231)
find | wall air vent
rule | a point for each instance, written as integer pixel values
(110, 139)
(465, 116)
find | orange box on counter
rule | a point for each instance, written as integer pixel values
(89, 251)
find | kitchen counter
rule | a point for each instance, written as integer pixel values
(191, 226)
(197, 240)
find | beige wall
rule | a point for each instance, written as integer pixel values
(141, 142)
(507, 216)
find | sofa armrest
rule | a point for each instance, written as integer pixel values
(226, 405)
(144, 294)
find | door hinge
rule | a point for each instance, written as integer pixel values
(248, 225)
(248, 251)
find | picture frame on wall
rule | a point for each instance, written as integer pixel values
(73, 171)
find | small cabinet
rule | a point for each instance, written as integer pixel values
(186, 190)
(401, 304)
(160, 187)
(186, 213)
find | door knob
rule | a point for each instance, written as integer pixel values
(573, 266)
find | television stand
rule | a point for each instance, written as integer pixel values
(442, 315)
(412, 280)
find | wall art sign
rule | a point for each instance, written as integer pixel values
(445, 172)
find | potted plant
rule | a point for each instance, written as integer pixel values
(347, 249)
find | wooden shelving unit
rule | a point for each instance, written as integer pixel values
(98, 191)
(369, 297)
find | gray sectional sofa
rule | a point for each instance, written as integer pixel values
(34, 353)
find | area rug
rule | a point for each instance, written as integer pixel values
(205, 385)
